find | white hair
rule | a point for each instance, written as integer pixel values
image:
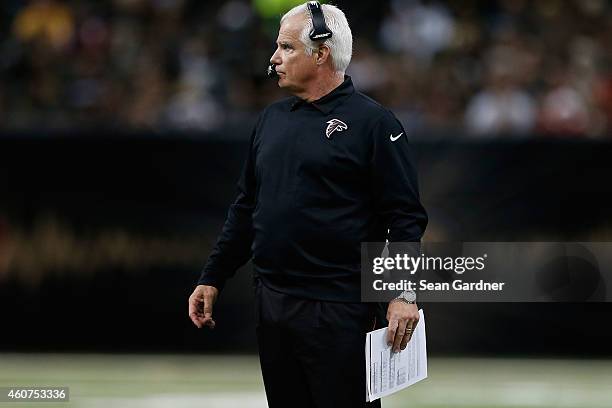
(341, 42)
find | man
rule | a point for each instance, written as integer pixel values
(327, 169)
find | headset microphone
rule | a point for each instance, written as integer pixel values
(272, 71)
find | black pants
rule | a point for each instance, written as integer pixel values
(312, 352)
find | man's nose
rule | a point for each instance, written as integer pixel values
(275, 59)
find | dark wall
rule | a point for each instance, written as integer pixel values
(176, 188)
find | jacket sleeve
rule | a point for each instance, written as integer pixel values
(395, 184)
(397, 201)
(233, 246)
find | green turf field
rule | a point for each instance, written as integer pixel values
(234, 381)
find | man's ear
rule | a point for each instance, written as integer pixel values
(323, 53)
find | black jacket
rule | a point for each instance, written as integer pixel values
(319, 179)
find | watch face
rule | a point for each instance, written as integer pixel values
(409, 296)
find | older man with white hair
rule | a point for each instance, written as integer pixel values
(327, 169)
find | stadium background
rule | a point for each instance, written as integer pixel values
(123, 126)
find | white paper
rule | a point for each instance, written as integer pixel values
(388, 372)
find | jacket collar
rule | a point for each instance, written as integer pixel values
(329, 102)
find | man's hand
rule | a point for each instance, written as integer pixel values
(201, 304)
(403, 318)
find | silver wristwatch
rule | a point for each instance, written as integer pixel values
(408, 296)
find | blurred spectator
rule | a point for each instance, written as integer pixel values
(500, 109)
(416, 28)
(192, 106)
(47, 21)
(506, 67)
(503, 106)
(564, 110)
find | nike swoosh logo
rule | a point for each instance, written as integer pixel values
(394, 138)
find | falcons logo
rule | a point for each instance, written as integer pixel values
(333, 126)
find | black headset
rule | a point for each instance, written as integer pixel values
(319, 32)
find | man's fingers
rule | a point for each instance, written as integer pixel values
(193, 305)
(197, 320)
(395, 334)
(195, 311)
(399, 336)
(412, 324)
(208, 321)
(208, 305)
(209, 301)
(201, 321)
(391, 331)
(408, 335)
(405, 341)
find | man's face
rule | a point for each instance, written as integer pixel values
(295, 68)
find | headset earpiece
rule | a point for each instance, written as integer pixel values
(320, 31)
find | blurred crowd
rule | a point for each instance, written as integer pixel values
(505, 68)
